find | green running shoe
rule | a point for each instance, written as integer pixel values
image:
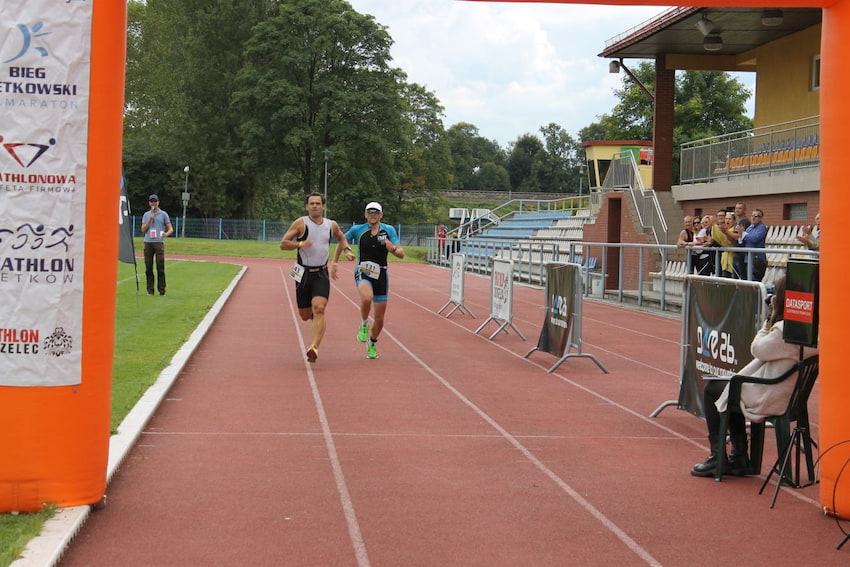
(371, 350)
(363, 333)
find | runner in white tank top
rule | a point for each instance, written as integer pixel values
(311, 236)
(319, 235)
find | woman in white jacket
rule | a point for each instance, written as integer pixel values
(772, 356)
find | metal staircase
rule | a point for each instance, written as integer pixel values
(623, 175)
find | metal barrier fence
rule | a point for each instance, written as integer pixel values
(646, 275)
(264, 230)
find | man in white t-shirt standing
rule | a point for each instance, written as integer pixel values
(311, 236)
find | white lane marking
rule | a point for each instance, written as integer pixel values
(341, 486)
(607, 400)
(570, 491)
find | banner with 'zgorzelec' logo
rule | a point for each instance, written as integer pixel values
(721, 318)
(45, 53)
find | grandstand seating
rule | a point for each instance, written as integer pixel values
(782, 153)
(532, 237)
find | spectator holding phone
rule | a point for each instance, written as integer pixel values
(156, 226)
(810, 236)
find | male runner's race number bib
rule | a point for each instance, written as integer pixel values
(297, 272)
(370, 269)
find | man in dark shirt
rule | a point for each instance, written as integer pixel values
(755, 236)
(375, 240)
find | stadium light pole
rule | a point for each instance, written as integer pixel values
(185, 201)
(580, 179)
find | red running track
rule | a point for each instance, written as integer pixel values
(450, 449)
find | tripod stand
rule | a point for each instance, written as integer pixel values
(800, 439)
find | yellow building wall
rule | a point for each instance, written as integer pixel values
(784, 83)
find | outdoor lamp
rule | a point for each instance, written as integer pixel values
(705, 26)
(712, 42)
(771, 17)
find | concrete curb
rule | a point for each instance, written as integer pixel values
(46, 549)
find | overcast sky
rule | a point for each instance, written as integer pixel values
(509, 68)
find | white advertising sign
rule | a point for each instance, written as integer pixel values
(45, 52)
(456, 294)
(501, 292)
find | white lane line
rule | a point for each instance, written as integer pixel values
(341, 486)
(557, 375)
(607, 400)
(570, 491)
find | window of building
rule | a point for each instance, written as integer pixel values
(816, 73)
(795, 211)
(602, 166)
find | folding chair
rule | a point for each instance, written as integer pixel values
(800, 439)
(805, 373)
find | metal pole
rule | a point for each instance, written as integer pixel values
(185, 202)
(581, 170)
(326, 152)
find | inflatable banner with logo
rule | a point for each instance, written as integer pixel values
(62, 65)
(721, 318)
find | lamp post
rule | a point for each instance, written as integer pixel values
(326, 152)
(581, 169)
(185, 201)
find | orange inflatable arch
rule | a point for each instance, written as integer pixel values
(56, 439)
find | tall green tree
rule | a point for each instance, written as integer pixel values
(183, 58)
(631, 117)
(521, 157)
(707, 103)
(425, 159)
(556, 169)
(317, 83)
(473, 154)
(710, 103)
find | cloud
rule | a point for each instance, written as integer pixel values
(508, 68)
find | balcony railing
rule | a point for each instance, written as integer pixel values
(779, 147)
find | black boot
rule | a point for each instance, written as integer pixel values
(739, 464)
(707, 467)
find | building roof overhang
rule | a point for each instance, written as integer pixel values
(674, 33)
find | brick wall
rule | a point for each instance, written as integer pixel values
(631, 232)
(773, 206)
